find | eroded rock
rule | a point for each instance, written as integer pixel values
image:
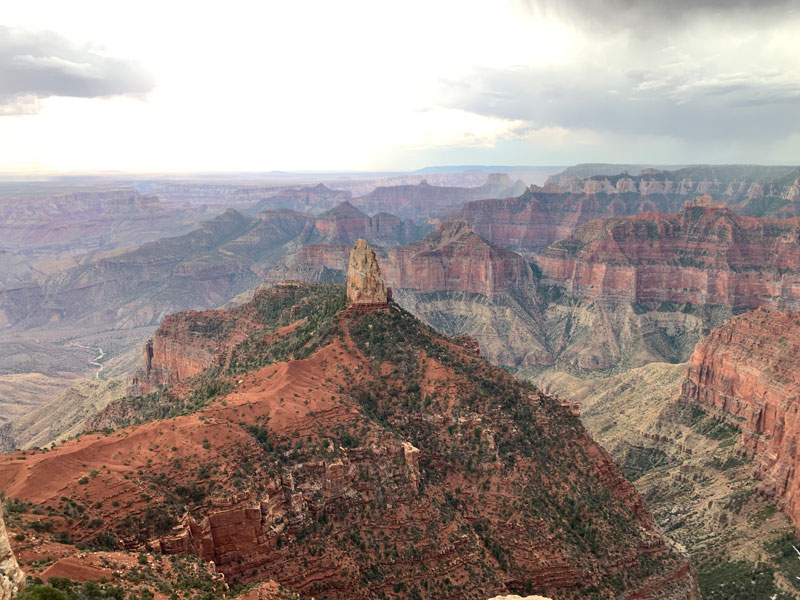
(364, 280)
(12, 579)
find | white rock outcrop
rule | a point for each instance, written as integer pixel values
(12, 579)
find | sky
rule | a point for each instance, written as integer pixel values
(174, 86)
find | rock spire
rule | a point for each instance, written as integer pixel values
(364, 281)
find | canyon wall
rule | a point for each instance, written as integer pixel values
(734, 183)
(539, 218)
(388, 454)
(706, 255)
(423, 200)
(748, 372)
(453, 258)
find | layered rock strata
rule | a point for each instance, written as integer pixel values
(454, 258)
(748, 372)
(364, 281)
(358, 455)
(706, 255)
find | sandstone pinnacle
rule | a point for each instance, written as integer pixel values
(364, 281)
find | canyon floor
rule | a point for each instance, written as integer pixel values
(691, 470)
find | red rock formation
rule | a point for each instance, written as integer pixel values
(538, 218)
(173, 354)
(312, 199)
(748, 372)
(705, 255)
(364, 280)
(453, 258)
(330, 256)
(424, 200)
(343, 223)
(388, 459)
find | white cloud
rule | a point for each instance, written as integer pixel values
(363, 84)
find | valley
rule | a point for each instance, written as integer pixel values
(599, 291)
(321, 411)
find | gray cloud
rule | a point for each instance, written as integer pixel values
(688, 106)
(650, 17)
(711, 81)
(36, 65)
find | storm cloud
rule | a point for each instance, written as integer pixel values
(37, 65)
(730, 77)
(657, 16)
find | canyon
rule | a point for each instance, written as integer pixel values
(736, 184)
(347, 454)
(610, 291)
(746, 372)
(705, 255)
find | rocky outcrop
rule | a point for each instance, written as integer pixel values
(364, 281)
(312, 199)
(706, 255)
(733, 183)
(173, 354)
(424, 200)
(539, 218)
(748, 372)
(454, 258)
(388, 459)
(12, 579)
(792, 193)
(344, 224)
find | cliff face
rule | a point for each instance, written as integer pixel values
(349, 454)
(55, 225)
(748, 372)
(696, 477)
(704, 255)
(423, 200)
(174, 353)
(453, 258)
(344, 224)
(733, 183)
(12, 579)
(312, 199)
(538, 218)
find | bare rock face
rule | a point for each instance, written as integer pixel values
(364, 280)
(454, 258)
(706, 255)
(12, 579)
(748, 372)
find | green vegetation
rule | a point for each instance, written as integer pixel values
(518, 456)
(186, 579)
(529, 429)
(314, 305)
(315, 331)
(763, 207)
(638, 461)
(738, 579)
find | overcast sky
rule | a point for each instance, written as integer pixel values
(296, 85)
